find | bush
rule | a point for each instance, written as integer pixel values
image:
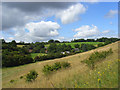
(56, 66)
(65, 64)
(11, 81)
(100, 45)
(47, 69)
(21, 77)
(32, 75)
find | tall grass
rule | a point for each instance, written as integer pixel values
(97, 56)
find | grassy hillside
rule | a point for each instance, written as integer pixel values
(78, 75)
(73, 43)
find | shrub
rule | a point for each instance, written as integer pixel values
(32, 75)
(11, 81)
(100, 45)
(97, 56)
(47, 69)
(56, 66)
(21, 77)
(65, 64)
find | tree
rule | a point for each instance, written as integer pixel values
(51, 41)
(13, 43)
(56, 41)
(76, 45)
(3, 41)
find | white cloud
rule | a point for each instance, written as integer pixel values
(111, 13)
(86, 31)
(93, 1)
(71, 14)
(106, 31)
(43, 29)
(61, 38)
(40, 31)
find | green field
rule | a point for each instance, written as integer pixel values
(20, 45)
(33, 55)
(79, 75)
(73, 43)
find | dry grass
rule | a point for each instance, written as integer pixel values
(55, 79)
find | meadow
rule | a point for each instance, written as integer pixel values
(79, 75)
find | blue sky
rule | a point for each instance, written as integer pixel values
(77, 20)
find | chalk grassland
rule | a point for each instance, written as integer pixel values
(78, 75)
(73, 43)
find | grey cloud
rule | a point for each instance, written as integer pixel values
(16, 14)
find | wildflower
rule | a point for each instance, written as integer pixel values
(103, 72)
(98, 72)
(98, 80)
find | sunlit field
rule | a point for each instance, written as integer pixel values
(79, 75)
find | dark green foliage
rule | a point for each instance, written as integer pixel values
(51, 41)
(107, 42)
(54, 48)
(65, 64)
(77, 45)
(50, 56)
(97, 56)
(14, 56)
(47, 69)
(12, 81)
(56, 66)
(21, 77)
(32, 75)
(100, 45)
(86, 47)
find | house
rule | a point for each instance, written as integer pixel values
(46, 51)
(30, 50)
(76, 49)
(67, 52)
(63, 52)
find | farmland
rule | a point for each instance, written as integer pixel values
(33, 55)
(73, 43)
(79, 75)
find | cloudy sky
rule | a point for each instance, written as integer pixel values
(42, 21)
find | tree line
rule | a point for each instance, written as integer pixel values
(14, 56)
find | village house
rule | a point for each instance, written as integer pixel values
(76, 49)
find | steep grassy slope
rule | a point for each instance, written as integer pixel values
(78, 75)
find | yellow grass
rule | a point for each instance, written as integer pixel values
(62, 78)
